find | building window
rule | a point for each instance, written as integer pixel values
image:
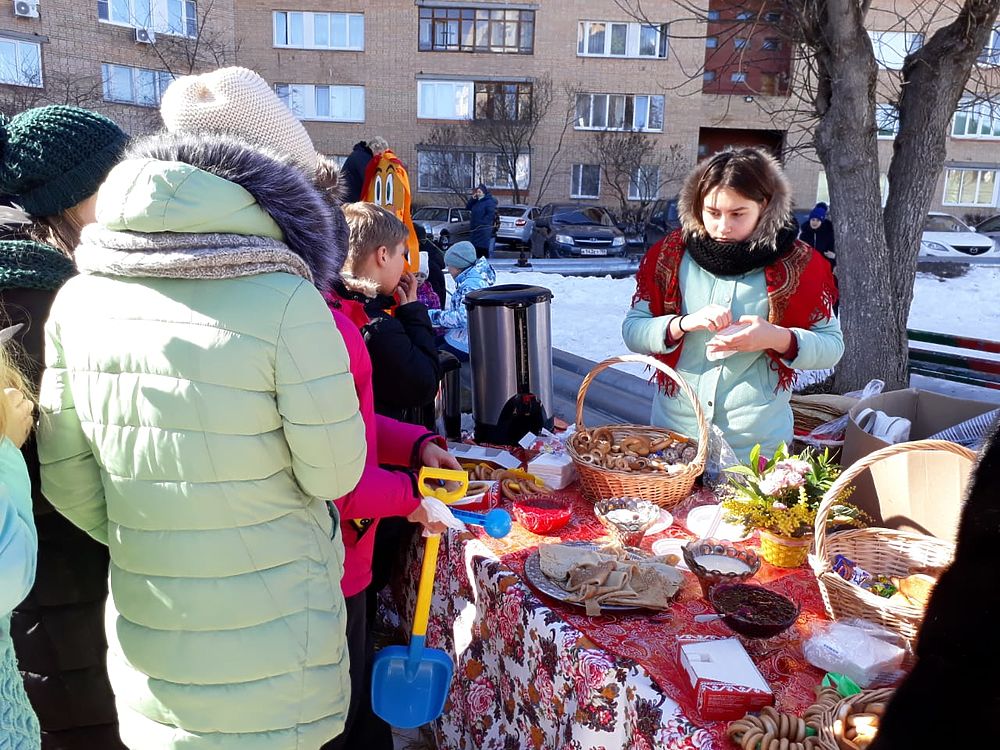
(739, 42)
(444, 100)
(619, 112)
(886, 120)
(712, 15)
(614, 39)
(644, 185)
(991, 52)
(823, 189)
(20, 62)
(586, 181)
(711, 42)
(477, 30)
(322, 102)
(336, 31)
(773, 16)
(128, 85)
(444, 171)
(178, 17)
(503, 101)
(708, 75)
(976, 119)
(771, 44)
(970, 187)
(739, 77)
(892, 47)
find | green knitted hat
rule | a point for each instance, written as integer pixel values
(31, 265)
(54, 157)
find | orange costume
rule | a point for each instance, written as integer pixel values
(387, 185)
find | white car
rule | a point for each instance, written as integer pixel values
(944, 235)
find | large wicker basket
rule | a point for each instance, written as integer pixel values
(666, 490)
(877, 550)
(849, 705)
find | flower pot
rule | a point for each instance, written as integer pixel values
(784, 551)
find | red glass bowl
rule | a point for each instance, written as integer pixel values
(541, 514)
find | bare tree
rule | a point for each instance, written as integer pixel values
(496, 143)
(209, 46)
(634, 170)
(838, 76)
(61, 86)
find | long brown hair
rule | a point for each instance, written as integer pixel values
(61, 231)
(10, 377)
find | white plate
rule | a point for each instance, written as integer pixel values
(663, 523)
(671, 547)
(699, 519)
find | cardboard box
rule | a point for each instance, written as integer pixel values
(469, 453)
(726, 682)
(920, 491)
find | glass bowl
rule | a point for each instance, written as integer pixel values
(541, 514)
(716, 561)
(627, 518)
(753, 611)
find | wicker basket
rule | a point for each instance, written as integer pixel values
(827, 737)
(666, 490)
(877, 550)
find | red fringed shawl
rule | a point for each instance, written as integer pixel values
(801, 292)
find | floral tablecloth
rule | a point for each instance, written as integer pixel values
(541, 674)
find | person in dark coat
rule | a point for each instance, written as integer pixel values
(817, 231)
(435, 257)
(483, 206)
(53, 160)
(353, 171)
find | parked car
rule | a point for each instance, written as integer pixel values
(569, 230)
(517, 222)
(444, 224)
(663, 219)
(991, 228)
(945, 235)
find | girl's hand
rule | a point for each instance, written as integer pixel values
(436, 457)
(708, 318)
(758, 336)
(19, 419)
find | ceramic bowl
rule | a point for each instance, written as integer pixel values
(753, 611)
(541, 514)
(627, 518)
(716, 561)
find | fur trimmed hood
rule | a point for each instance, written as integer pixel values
(775, 216)
(282, 190)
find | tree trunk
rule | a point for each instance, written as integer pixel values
(845, 142)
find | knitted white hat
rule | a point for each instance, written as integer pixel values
(236, 101)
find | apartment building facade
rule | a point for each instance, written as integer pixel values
(419, 71)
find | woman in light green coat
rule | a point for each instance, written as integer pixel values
(736, 259)
(198, 414)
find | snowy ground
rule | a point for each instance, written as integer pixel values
(587, 313)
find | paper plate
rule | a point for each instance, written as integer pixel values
(672, 547)
(699, 519)
(664, 522)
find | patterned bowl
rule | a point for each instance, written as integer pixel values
(716, 561)
(541, 514)
(627, 518)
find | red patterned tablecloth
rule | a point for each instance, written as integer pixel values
(650, 639)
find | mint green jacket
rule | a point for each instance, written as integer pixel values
(198, 428)
(739, 394)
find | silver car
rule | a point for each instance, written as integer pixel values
(517, 222)
(443, 224)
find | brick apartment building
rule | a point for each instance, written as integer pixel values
(411, 69)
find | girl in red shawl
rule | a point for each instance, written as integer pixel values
(736, 260)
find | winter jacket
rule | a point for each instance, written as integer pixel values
(405, 366)
(18, 548)
(58, 630)
(353, 171)
(428, 297)
(381, 492)
(454, 317)
(435, 272)
(821, 239)
(198, 414)
(483, 214)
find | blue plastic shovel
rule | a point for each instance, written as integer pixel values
(410, 684)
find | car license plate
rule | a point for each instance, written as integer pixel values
(593, 251)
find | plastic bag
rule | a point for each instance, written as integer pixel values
(720, 457)
(832, 432)
(438, 511)
(865, 652)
